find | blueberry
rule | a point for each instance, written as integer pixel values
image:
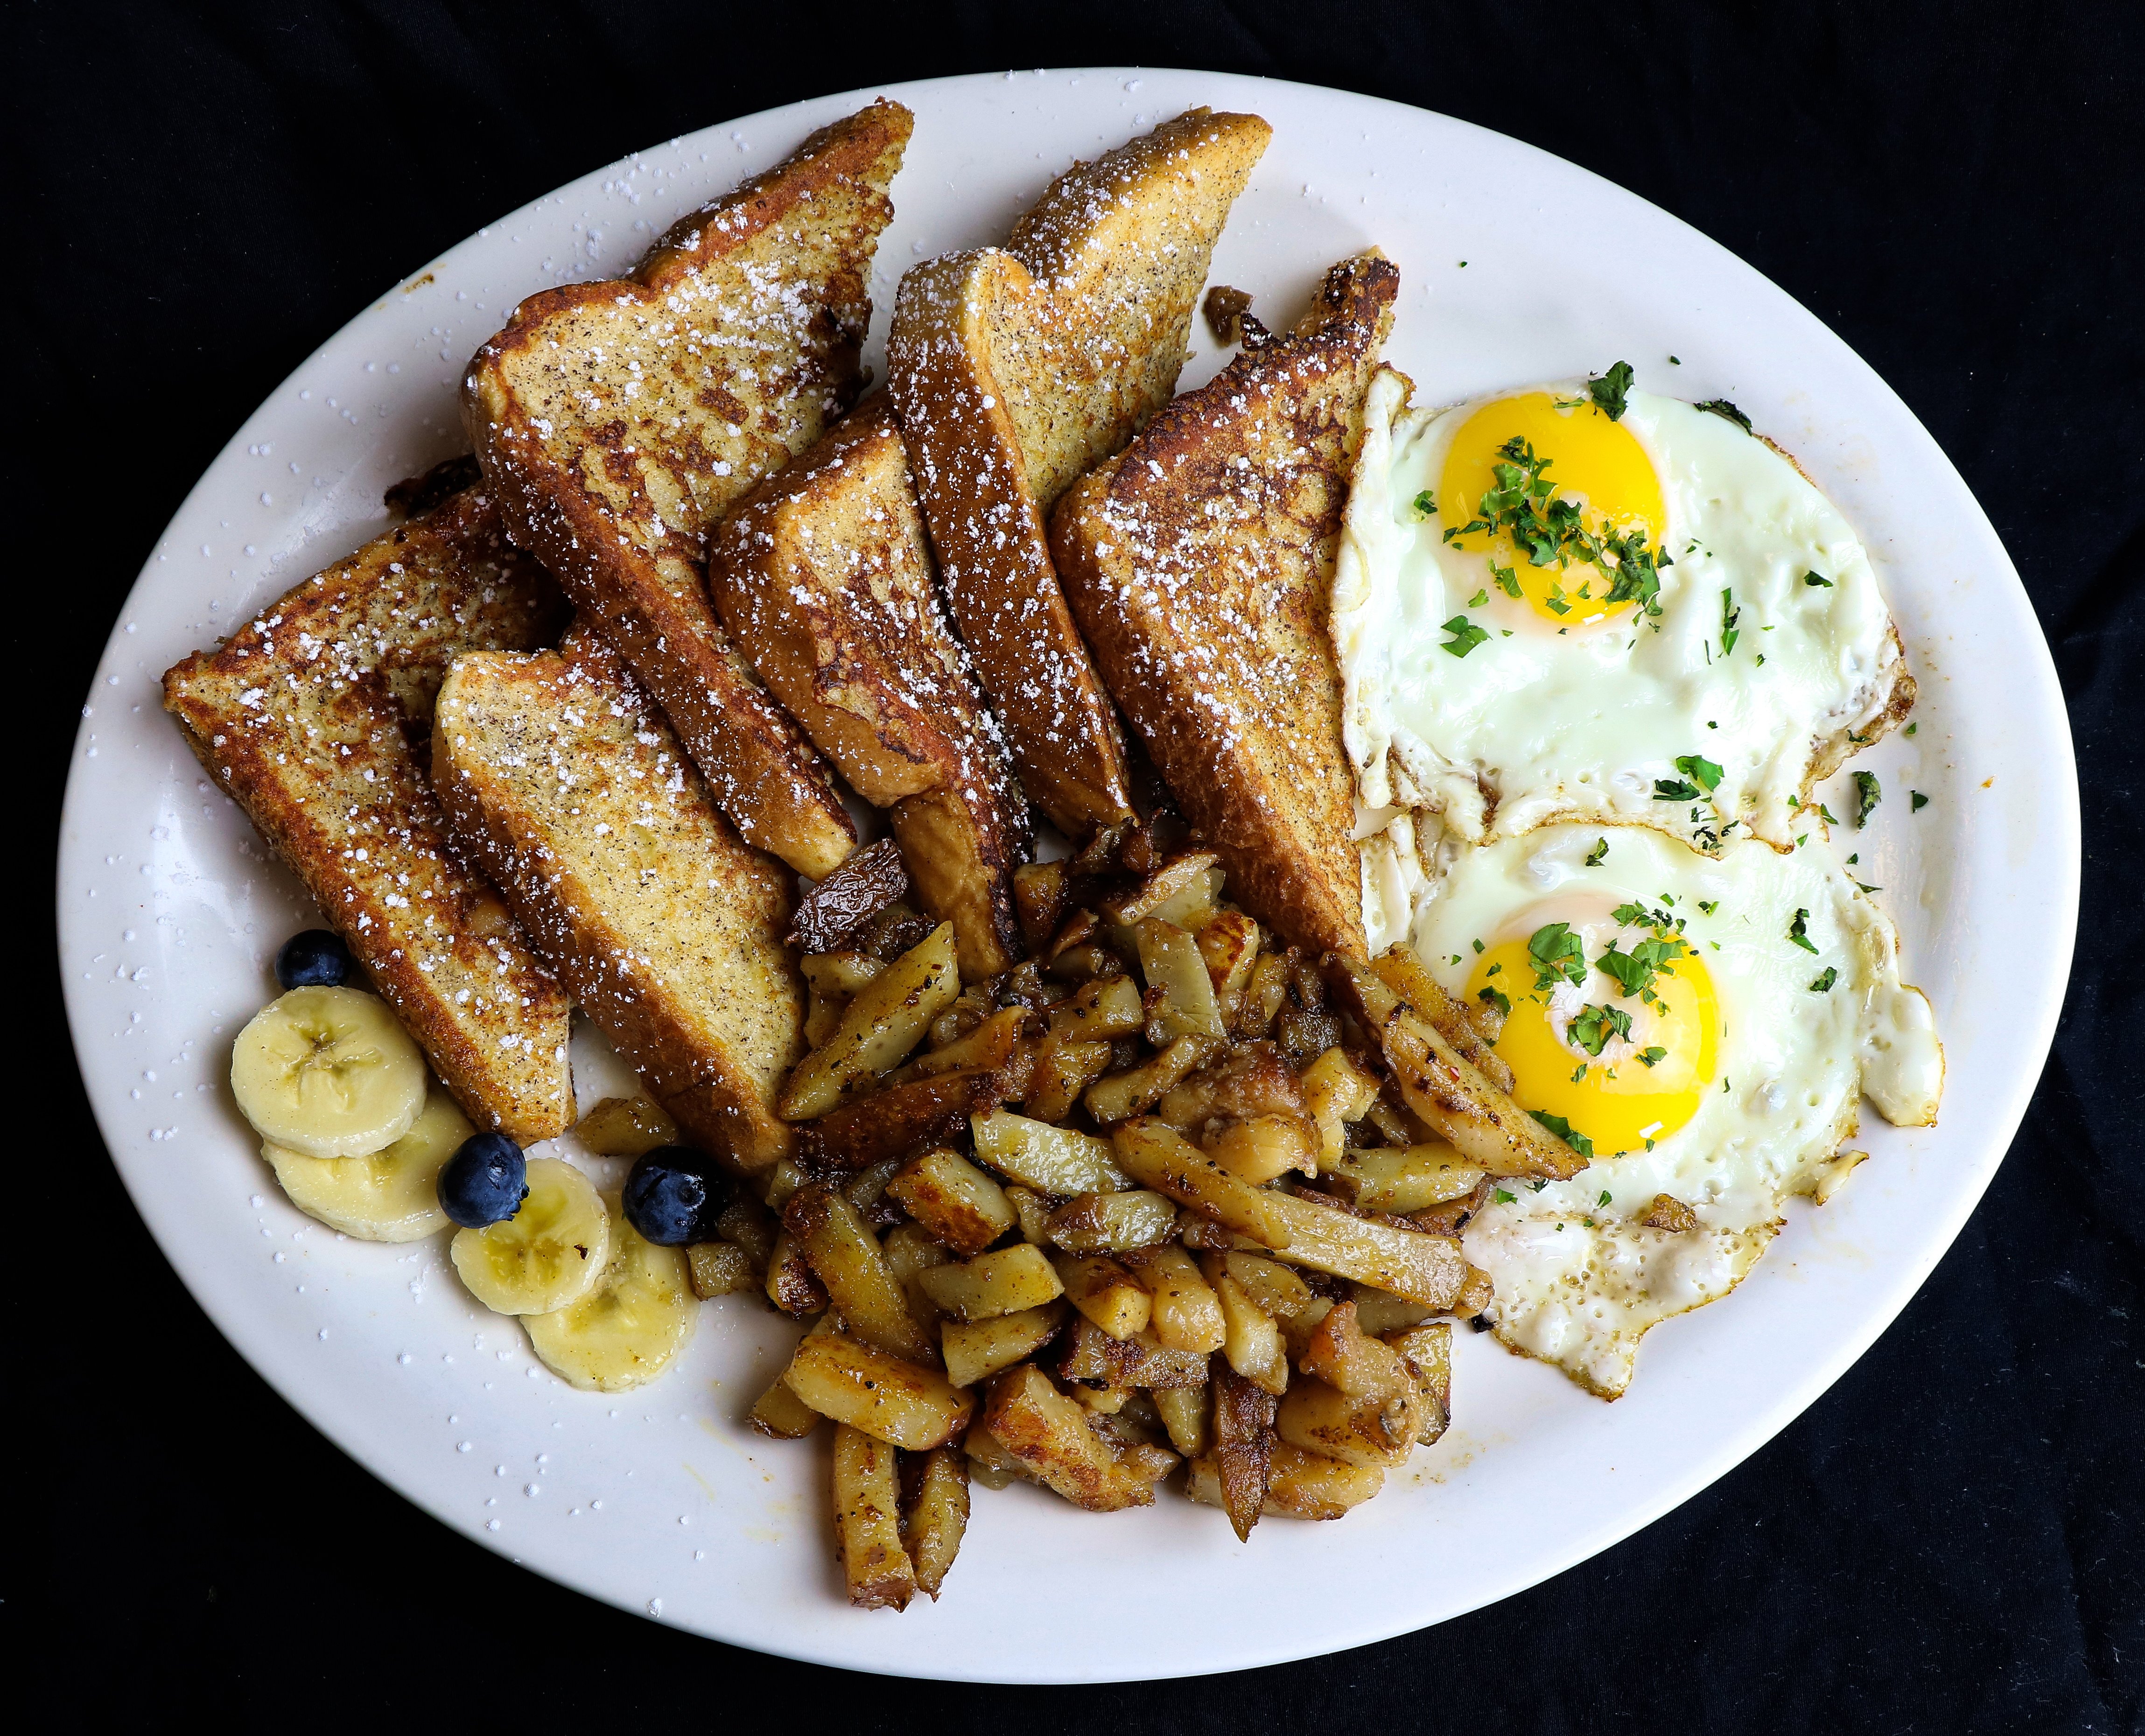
(674, 1195)
(315, 959)
(484, 1182)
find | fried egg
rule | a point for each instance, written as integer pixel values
(1702, 1027)
(1578, 600)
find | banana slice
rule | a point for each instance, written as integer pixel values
(548, 1254)
(630, 1327)
(391, 1196)
(328, 1073)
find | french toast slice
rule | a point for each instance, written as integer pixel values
(560, 775)
(1014, 369)
(823, 577)
(315, 719)
(1200, 563)
(620, 421)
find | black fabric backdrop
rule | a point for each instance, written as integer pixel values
(1953, 1538)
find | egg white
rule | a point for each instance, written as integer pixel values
(1577, 1282)
(1547, 720)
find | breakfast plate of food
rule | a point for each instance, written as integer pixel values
(950, 871)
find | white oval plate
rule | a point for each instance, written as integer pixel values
(661, 1500)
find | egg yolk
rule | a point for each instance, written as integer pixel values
(1617, 1098)
(1590, 460)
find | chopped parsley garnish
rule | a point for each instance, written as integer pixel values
(1728, 412)
(1565, 1132)
(1912, 728)
(1868, 793)
(1653, 1056)
(1675, 361)
(1425, 503)
(1496, 998)
(1465, 636)
(1817, 579)
(1508, 581)
(1866, 887)
(1634, 971)
(1557, 601)
(1599, 853)
(1729, 615)
(1709, 905)
(1610, 391)
(1826, 814)
(1826, 978)
(1478, 599)
(1503, 1198)
(1916, 801)
(1798, 931)
(1594, 1025)
(1556, 953)
(1700, 777)
(1477, 945)
(1525, 507)
(1579, 1073)
(1604, 1199)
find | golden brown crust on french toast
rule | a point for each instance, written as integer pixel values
(1200, 563)
(824, 578)
(560, 775)
(1014, 370)
(620, 421)
(314, 718)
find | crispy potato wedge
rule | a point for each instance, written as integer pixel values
(1004, 1282)
(1040, 891)
(626, 1127)
(1157, 1156)
(779, 1411)
(1402, 1179)
(909, 1251)
(1242, 1459)
(1268, 1282)
(1186, 1314)
(1251, 1342)
(893, 1122)
(1264, 996)
(792, 1284)
(1668, 1212)
(832, 979)
(751, 1226)
(1033, 1211)
(1301, 1485)
(1182, 887)
(991, 1045)
(956, 1202)
(1378, 1432)
(1261, 1147)
(1340, 1354)
(1229, 944)
(1050, 1160)
(1379, 1314)
(1104, 1292)
(1184, 1412)
(875, 1567)
(1402, 971)
(1112, 1223)
(898, 1402)
(861, 1287)
(720, 1269)
(1117, 1095)
(1107, 1007)
(1336, 1089)
(1171, 963)
(975, 1349)
(886, 1019)
(1062, 1070)
(1094, 1357)
(936, 1516)
(1051, 1436)
(1426, 1352)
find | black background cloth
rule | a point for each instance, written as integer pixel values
(1952, 1538)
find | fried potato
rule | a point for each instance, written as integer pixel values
(1158, 1156)
(1264, 996)
(1033, 1211)
(893, 1122)
(861, 1287)
(890, 1399)
(886, 1019)
(1242, 1459)
(936, 1516)
(1379, 1314)
(1251, 1342)
(1183, 1413)
(1111, 1223)
(832, 979)
(720, 1269)
(1186, 1314)
(1405, 1263)
(1104, 1292)
(1107, 1007)
(1094, 1357)
(1050, 1160)
(1181, 891)
(1005, 1282)
(975, 1349)
(626, 1127)
(1336, 1089)
(1668, 1212)
(990, 1045)
(953, 1199)
(1309, 1485)
(751, 1226)
(1339, 1354)
(792, 1284)
(875, 1566)
(1171, 963)
(1274, 1287)
(990, 1464)
(1401, 971)
(779, 1411)
(1229, 946)
(1377, 1432)
(1117, 1095)
(1040, 890)
(1062, 1070)
(1261, 1147)
(909, 1251)
(1403, 1179)
(1426, 1352)
(1050, 1434)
